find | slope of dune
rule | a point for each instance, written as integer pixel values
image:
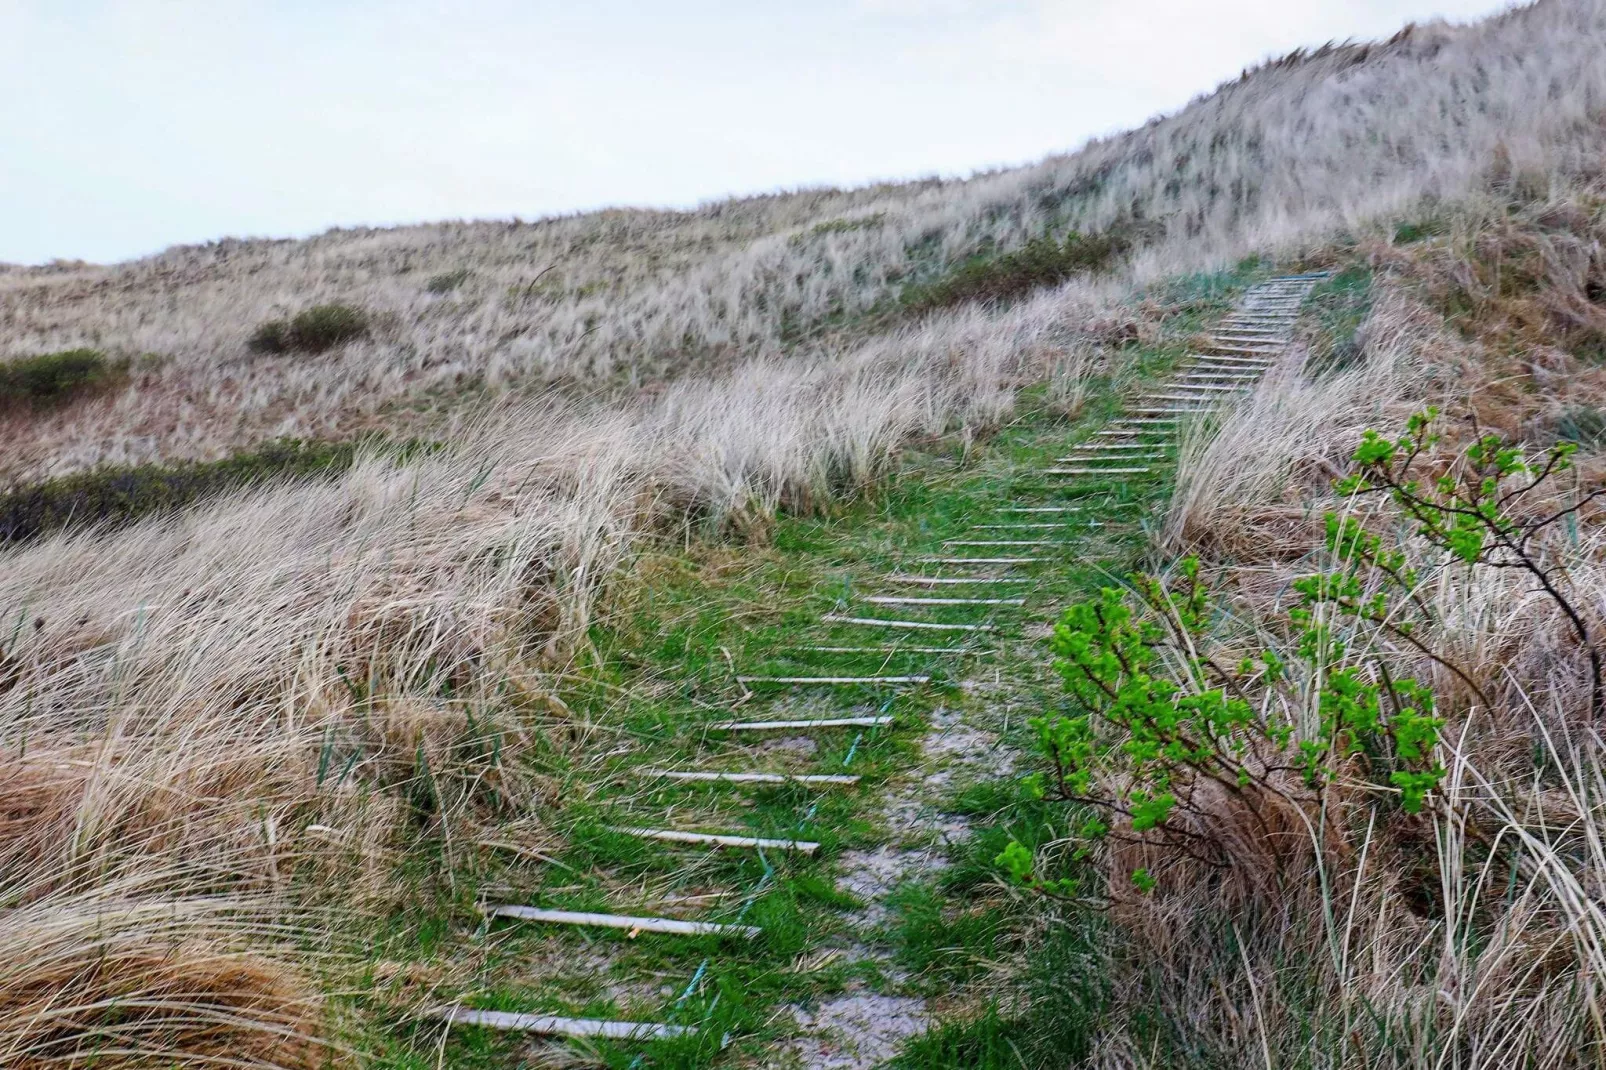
(173, 693)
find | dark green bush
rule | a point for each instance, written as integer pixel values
(1006, 276)
(447, 281)
(52, 379)
(313, 330)
(118, 494)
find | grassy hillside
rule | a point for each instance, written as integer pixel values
(245, 732)
(1315, 141)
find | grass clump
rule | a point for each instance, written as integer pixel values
(313, 330)
(52, 379)
(1340, 306)
(1002, 277)
(1583, 424)
(120, 494)
(446, 281)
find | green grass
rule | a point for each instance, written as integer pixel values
(1337, 308)
(1053, 1001)
(659, 671)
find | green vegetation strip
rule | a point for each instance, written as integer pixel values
(660, 676)
(114, 495)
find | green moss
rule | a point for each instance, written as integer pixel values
(313, 330)
(49, 380)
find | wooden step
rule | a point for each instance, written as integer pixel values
(621, 921)
(893, 600)
(944, 581)
(1096, 471)
(1044, 509)
(921, 625)
(719, 839)
(1002, 542)
(1019, 524)
(876, 720)
(833, 681)
(751, 778)
(558, 1026)
(963, 651)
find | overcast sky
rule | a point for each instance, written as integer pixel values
(130, 126)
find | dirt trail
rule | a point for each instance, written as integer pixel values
(860, 1028)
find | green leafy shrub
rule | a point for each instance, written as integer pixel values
(1006, 276)
(447, 281)
(1161, 732)
(119, 494)
(52, 379)
(313, 330)
(1159, 720)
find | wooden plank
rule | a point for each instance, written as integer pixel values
(720, 839)
(752, 778)
(1224, 361)
(559, 1026)
(1044, 509)
(876, 622)
(1096, 471)
(952, 581)
(879, 720)
(892, 648)
(621, 921)
(979, 560)
(1019, 524)
(1212, 398)
(1115, 448)
(834, 680)
(999, 542)
(895, 600)
(1089, 456)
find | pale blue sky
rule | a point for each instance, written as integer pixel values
(130, 126)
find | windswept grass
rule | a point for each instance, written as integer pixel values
(1270, 163)
(231, 730)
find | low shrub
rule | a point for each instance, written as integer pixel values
(447, 281)
(1006, 276)
(119, 494)
(52, 379)
(313, 330)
